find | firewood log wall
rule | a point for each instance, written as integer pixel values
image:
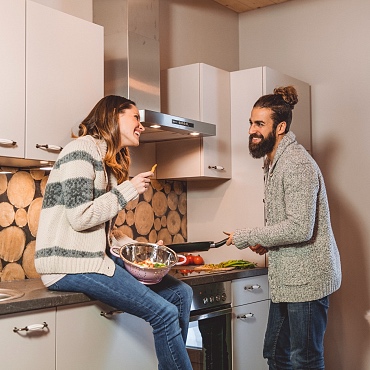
(158, 214)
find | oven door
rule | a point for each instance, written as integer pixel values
(209, 339)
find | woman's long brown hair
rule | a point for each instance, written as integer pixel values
(103, 123)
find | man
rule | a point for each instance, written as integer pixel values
(304, 263)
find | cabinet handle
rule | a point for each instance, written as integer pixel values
(110, 313)
(219, 168)
(252, 287)
(245, 316)
(49, 147)
(7, 142)
(42, 326)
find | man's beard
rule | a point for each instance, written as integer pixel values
(265, 146)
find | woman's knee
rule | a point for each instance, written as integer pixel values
(187, 293)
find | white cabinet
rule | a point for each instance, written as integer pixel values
(201, 92)
(250, 299)
(249, 84)
(76, 337)
(86, 340)
(28, 349)
(12, 77)
(53, 73)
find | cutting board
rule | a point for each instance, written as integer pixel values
(203, 268)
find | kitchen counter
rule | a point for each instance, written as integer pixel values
(36, 296)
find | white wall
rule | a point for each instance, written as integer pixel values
(326, 43)
(82, 8)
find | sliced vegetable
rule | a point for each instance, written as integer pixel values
(237, 264)
(148, 263)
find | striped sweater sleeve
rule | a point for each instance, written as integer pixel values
(79, 182)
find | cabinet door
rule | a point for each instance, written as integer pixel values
(215, 108)
(248, 327)
(12, 77)
(88, 341)
(249, 290)
(201, 92)
(64, 76)
(32, 349)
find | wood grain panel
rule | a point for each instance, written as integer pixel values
(241, 6)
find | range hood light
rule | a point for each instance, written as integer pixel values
(46, 168)
(194, 133)
(5, 171)
(155, 126)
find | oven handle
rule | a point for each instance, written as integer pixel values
(208, 315)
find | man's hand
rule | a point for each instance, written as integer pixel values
(259, 249)
(230, 238)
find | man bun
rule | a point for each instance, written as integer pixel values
(288, 94)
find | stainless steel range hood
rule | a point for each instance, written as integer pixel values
(161, 127)
(132, 66)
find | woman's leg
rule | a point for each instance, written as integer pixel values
(179, 294)
(122, 291)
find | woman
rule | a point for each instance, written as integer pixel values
(86, 189)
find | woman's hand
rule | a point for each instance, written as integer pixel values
(141, 181)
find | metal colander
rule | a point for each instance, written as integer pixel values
(137, 252)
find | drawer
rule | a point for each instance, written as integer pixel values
(249, 290)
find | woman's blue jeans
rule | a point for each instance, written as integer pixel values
(166, 306)
(295, 335)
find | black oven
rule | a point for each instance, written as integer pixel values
(209, 335)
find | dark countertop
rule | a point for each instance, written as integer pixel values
(37, 297)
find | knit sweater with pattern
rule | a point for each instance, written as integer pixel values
(80, 200)
(304, 262)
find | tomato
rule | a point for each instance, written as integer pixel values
(185, 272)
(189, 259)
(198, 260)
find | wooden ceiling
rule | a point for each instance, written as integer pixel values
(241, 6)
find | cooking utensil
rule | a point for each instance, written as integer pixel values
(196, 246)
(136, 252)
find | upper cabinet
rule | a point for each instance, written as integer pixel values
(52, 75)
(201, 92)
(249, 84)
(12, 76)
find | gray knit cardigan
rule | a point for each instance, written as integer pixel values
(79, 202)
(304, 262)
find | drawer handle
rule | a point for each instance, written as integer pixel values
(7, 142)
(245, 316)
(110, 313)
(252, 287)
(33, 327)
(55, 148)
(218, 168)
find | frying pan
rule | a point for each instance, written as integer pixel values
(195, 246)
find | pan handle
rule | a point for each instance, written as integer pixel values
(115, 251)
(181, 256)
(219, 244)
